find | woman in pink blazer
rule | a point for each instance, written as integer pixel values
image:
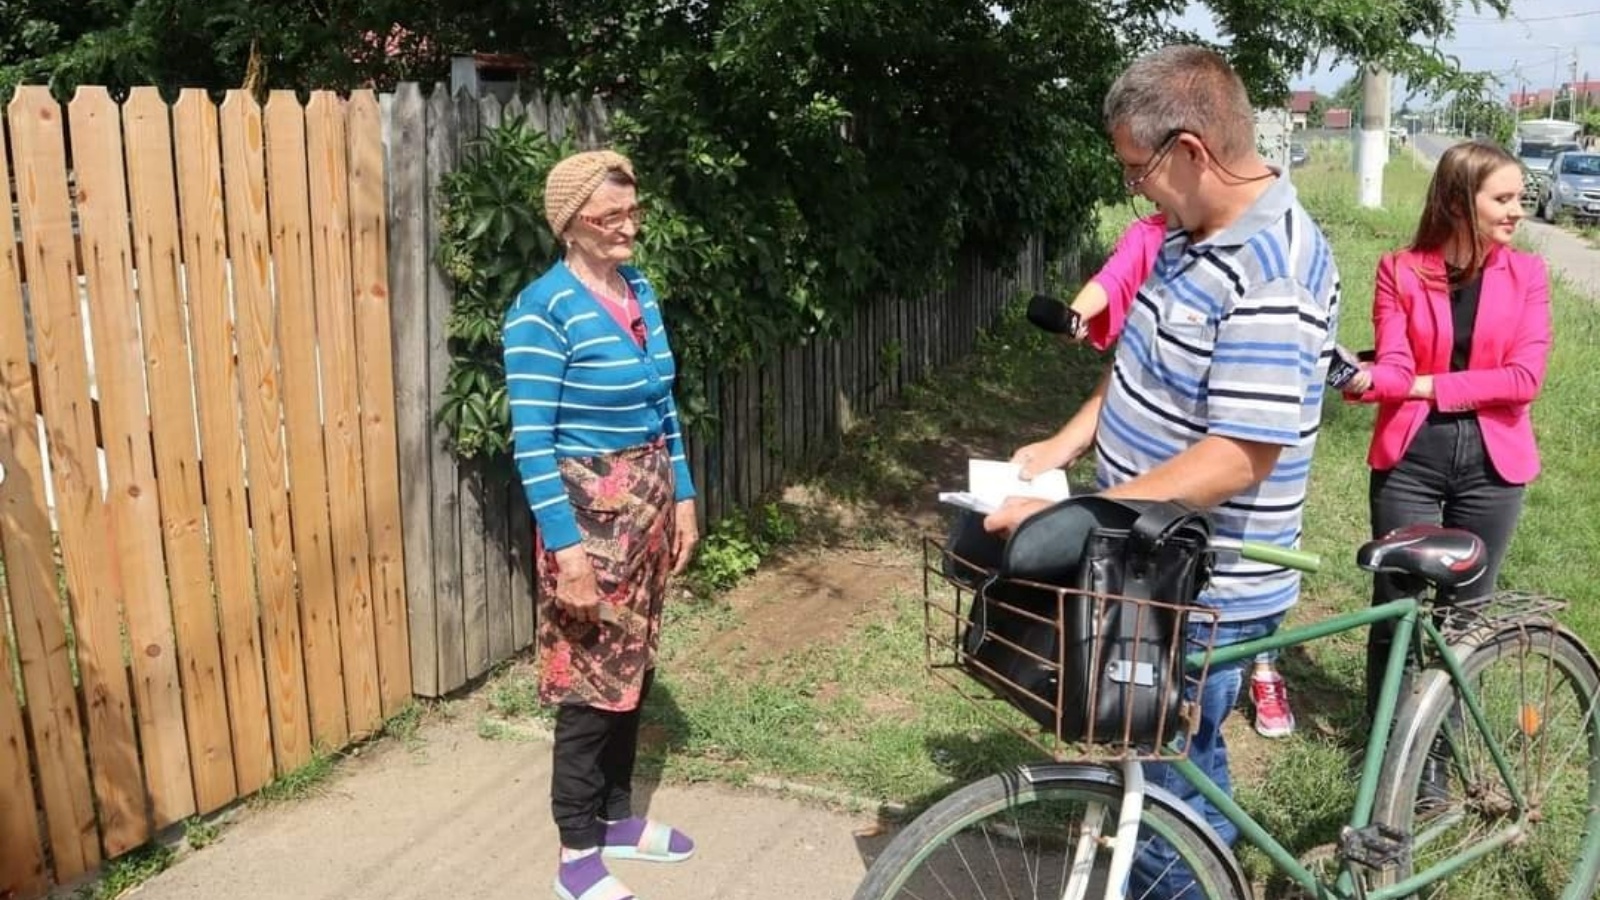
(1462, 323)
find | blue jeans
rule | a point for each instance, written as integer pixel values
(1156, 870)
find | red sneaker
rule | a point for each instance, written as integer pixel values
(1270, 696)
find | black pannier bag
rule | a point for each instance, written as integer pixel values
(1114, 667)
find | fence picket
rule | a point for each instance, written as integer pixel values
(499, 619)
(524, 590)
(514, 110)
(92, 587)
(205, 236)
(249, 236)
(46, 678)
(148, 147)
(440, 143)
(490, 114)
(471, 483)
(23, 867)
(329, 167)
(131, 493)
(471, 488)
(408, 282)
(369, 262)
(290, 215)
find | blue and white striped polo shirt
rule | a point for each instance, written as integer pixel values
(1231, 336)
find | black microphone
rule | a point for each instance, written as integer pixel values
(1053, 315)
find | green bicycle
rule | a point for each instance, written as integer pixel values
(1480, 777)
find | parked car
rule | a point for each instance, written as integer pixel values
(1537, 157)
(1572, 188)
(1297, 155)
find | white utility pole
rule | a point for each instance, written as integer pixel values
(1555, 78)
(1374, 135)
(1572, 98)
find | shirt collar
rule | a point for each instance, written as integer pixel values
(1267, 210)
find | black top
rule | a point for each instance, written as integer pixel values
(1464, 314)
(1464, 317)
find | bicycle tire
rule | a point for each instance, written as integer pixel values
(932, 853)
(1539, 688)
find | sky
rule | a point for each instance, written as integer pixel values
(1524, 46)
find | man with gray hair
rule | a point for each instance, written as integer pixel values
(1214, 394)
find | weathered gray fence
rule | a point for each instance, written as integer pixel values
(468, 534)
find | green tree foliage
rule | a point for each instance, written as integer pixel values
(1317, 115)
(799, 156)
(217, 43)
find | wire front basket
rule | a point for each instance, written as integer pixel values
(1102, 676)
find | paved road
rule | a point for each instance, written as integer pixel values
(1569, 256)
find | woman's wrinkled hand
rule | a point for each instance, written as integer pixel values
(577, 589)
(688, 531)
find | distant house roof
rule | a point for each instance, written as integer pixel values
(1300, 101)
(1336, 118)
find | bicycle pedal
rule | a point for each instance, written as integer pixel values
(1376, 846)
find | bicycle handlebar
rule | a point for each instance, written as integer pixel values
(1304, 560)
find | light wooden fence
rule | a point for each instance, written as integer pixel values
(467, 529)
(200, 514)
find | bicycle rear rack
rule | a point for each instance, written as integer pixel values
(1475, 620)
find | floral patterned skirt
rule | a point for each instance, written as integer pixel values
(625, 510)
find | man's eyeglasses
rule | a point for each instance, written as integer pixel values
(613, 221)
(1134, 177)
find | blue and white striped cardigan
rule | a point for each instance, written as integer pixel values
(580, 386)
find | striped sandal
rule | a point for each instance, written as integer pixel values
(646, 840)
(587, 878)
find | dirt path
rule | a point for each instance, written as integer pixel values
(463, 817)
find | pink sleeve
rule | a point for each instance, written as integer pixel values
(1395, 368)
(1520, 375)
(1129, 265)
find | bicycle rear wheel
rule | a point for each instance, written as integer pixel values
(1022, 835)
(1539, 689)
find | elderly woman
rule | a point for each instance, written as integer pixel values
(600, 453)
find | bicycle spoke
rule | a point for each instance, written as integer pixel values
(982, 894)
(994, 858)
(1041, 840)
(1537, 692)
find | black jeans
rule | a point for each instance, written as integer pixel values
(1446, 479)
(592, 769)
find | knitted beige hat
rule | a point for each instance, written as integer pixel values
(573, 180)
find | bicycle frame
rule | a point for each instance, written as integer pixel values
(1405, 614)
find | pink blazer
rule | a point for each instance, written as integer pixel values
(1127, 268)
(1510, 346)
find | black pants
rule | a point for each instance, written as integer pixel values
(1446, 479)
(592, 769)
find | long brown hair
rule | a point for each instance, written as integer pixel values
(1451, 211)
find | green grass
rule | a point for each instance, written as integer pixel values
(127, 872)
(307, 781)
(199, 832)
(861, 714)
(406, 724)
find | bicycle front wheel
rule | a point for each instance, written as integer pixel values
(1049, 831)
(1538, 688)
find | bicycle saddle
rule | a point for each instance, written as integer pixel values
(1447, 557)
